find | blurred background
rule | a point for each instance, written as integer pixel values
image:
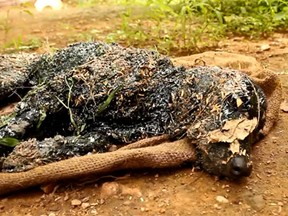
(174, 27)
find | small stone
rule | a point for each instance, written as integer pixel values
(264, 47)
(76, 202)
(213, 189)
(101, 201)
(52, 214)
(66, 197)
(94, 204)
(280, 203)
(216, 206)
(85, 199)
(127, 203)
(221, 199)
(238, 38)
(112, 148)
(85, 205)
(109, 189)
(274, 43)
(162, 211)
(94, 212)
(57, 199)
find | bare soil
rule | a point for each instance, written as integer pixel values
(181, 191)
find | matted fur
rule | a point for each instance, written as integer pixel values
(154, 152)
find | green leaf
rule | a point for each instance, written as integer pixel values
(41, 119)
(28, 12)
(9, 141)
(104, 105)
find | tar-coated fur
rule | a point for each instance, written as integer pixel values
(107, 94)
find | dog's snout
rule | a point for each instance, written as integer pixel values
(239, 166)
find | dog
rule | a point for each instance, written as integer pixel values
(90, 96)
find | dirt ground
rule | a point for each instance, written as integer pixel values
(177, 191)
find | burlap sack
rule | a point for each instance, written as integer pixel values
(155, 152)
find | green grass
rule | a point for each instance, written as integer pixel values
(175, 27)
(20, 44)
(189, 26)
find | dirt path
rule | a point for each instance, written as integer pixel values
(182, 191)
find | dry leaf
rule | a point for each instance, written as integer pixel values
(236, 129)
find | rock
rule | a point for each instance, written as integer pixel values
(127, 203)
(66, 197)
(275, 43)
(109, 189)
(221, 199)
(238, 39)
(76, 202)
(264, 47)
(94, 212)
(216, 206)
(85, 205)
(112, 148)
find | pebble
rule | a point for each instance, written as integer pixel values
(85, 205)
(52, 214)
(221, 199)
(216, 206)
(94, 212)
(109, 189)
(76, 202)
(127, 202)
(112, 148)
(66, 197)
(85, 199)
(264, 47)
(280, 203)
(238, 39)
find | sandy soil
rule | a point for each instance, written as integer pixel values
(181, 191)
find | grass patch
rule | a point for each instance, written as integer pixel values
(20, 44)
(189, 26)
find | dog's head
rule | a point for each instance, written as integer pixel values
(224, 136)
